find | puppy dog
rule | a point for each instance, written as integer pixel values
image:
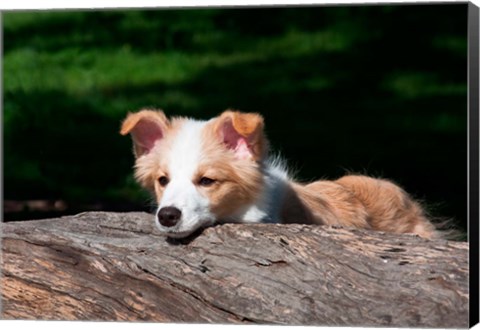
(216, 171)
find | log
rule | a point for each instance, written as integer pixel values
(115, 266)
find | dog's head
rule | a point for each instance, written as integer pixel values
(200, 171)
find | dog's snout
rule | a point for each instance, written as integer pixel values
(169, 216)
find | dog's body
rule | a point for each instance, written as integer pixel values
(207, 172)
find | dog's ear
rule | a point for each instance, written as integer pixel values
(146, 128)
(242, 133)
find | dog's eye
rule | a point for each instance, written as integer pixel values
(204, 181)
(163, 180)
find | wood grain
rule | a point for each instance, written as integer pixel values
(115, 266)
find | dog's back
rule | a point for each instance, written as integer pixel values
(358, 201)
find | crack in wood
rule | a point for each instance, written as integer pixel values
(192, 294)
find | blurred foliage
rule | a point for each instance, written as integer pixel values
(380, 90)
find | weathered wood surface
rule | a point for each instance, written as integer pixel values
(113, 266)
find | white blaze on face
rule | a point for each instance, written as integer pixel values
(181, 192)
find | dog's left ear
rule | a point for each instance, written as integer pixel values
(146, 127)
(242, 133)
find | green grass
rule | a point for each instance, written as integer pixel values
(423, 84)
(80, 71)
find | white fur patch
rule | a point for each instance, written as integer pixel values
(181, 192)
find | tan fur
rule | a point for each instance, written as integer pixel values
(389, 207)
(131, 125)
(248, 125)
(329, 203)
(133, 118)
(359, 201)
(238, 181)
(150, 167)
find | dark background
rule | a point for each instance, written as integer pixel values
(379, 90)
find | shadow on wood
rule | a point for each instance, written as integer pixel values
(114, 266)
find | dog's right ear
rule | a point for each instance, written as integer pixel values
(146, 127)
(243, 134)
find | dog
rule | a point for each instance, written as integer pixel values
(217, 171)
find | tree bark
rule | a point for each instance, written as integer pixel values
(115, 266)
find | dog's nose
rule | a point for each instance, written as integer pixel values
(169, 216)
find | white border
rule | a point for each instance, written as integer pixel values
(79, 325)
